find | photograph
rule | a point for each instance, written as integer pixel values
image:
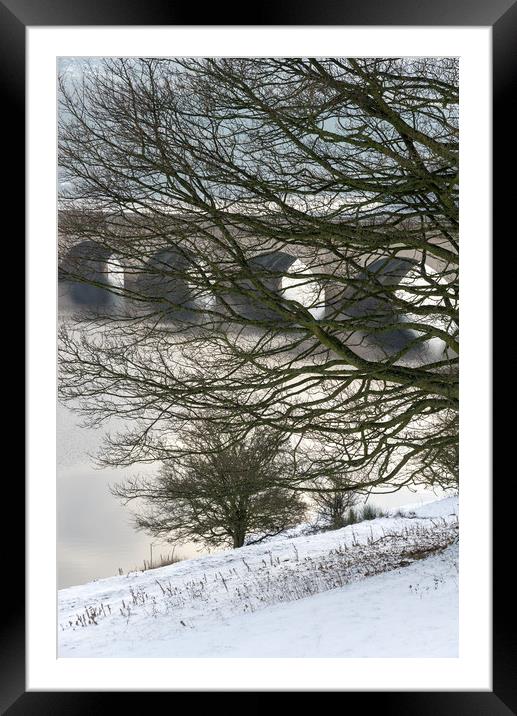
(256, 460)
(258, 356)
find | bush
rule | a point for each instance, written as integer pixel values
(333, 502)
(354, 515)
(370, 512)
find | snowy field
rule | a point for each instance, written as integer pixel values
(381, 588)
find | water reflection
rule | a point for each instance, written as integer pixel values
(95, 535)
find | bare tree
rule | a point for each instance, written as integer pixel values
(220, 492)
(332, 501)
(439, 466)
(280, 238)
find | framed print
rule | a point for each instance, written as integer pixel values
(100, 170)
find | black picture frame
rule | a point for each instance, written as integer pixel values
(501, 15)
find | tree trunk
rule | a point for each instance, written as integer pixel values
(238, 538)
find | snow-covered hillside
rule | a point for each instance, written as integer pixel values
(385, 587)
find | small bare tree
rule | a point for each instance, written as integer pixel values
(333, 498)
(220, 493)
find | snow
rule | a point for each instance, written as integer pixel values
(432, 508)
(367, 590)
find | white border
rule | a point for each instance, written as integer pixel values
(472, 670)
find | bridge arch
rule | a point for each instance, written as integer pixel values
(287, 276)
(97, 264)
(383, 333)
(175, 281)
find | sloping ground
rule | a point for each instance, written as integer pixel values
(234, 603)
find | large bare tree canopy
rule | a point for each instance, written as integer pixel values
(272, 242)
